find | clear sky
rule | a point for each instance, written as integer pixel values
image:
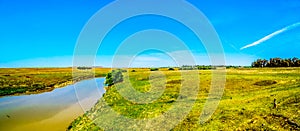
(44, 33)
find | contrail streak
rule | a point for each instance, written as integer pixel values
(272, 35)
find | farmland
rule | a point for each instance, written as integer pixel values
(253, 99)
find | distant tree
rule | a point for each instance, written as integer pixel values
(295, 62)
(84, 68)
(199, 67)
(171, 69)
(188, 67)
(154, 69)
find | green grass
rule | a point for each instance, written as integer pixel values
(15, 81)
(247, 102)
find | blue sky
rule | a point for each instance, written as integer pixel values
(44, 33)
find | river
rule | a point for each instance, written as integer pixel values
(51, 111)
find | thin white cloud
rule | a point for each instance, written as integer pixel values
(272, 35)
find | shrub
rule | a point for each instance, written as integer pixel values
(84, 68)
(114, 77)
(117, 76)
(153, 69)
(265, 83)
(108, 80)
(171, 69)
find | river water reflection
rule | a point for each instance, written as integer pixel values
(53, 110)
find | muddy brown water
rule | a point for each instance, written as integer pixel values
(52, 111)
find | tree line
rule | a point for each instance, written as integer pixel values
(197, 67)
(277, 62)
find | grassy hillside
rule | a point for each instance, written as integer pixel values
(14, 81)
(255, 99)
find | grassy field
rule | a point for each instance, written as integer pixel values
(17, 81)
(253, 99)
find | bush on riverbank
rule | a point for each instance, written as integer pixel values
(114, 77)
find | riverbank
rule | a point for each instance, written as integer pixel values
(26, 81)
(253, 99)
